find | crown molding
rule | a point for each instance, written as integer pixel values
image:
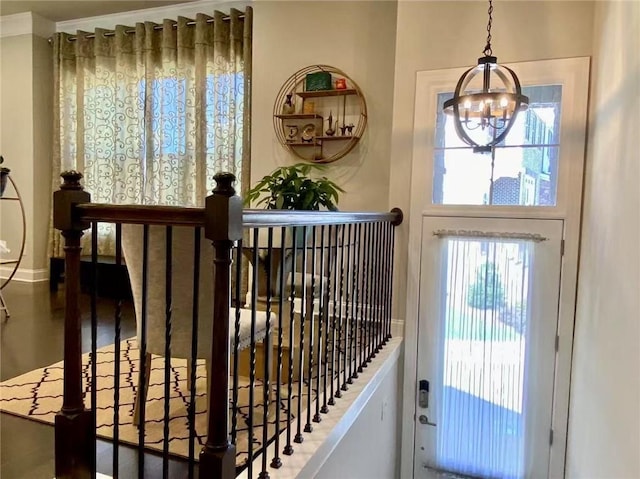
(26, 23)
(158, 14)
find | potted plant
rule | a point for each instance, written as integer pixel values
(290, 188)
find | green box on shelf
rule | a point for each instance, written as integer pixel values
(318, 81)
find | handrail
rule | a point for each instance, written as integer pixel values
(251, 218)
(269, 218)
(141, 214)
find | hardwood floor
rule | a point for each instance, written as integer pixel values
(32, 338)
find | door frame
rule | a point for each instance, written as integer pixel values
(573, 75)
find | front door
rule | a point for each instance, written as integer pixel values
(488, 320)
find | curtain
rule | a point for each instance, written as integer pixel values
(149, 114)
(485, 349)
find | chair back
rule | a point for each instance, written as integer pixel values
(182, 288)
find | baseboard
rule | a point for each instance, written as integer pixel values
(25, 275)
(397, 328)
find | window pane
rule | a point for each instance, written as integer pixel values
(461, 177)
(521, 171)
(540, 124)
(525, 176)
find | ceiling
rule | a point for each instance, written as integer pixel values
(59, 10)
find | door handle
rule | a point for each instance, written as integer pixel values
(425, 420)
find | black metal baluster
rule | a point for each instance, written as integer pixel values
(370, 309)
(116, 364)
(385, 280)
(388, 280)
(321, 319)
(142, 383)
(301, 351)
(391, 272)
(252, 350)
(348, 313)
(327, 315)
(276, 462)
(236, 342)
(380, 286)
(364, 309)
(266, 384)
(377, 283)
(94, 328)
(167, 350)
(191, 411)
(331, 401)
(342, 341)
(288, 448)
(357, 310)
(312, 298)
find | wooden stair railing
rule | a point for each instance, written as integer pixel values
(352, 323)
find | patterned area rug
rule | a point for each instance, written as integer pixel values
(37, 395)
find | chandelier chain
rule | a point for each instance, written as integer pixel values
(487, 49)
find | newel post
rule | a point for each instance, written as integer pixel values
(223, 226)
(74, 431)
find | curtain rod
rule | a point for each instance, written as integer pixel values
(112, 33)
(489, 235)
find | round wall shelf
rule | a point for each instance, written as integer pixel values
(320, 114)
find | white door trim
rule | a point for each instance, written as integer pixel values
(544, 282)
(573, 74)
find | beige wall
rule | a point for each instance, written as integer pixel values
(25, 143)
(604, 430)
(42, 148)
(435, 35)
(16, 138)
(370, 449)
(356, 37)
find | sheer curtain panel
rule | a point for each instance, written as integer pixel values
(150, 113)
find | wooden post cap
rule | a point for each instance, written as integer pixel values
(224, 184)
(71, 180)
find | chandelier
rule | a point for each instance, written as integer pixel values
(486, 101)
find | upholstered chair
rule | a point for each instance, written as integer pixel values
(182, 277)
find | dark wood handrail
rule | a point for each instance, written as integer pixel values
(182, 216)
(137, 214)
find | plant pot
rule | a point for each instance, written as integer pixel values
(4, 177)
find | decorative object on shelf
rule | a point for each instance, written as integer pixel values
(4, 176)
(350, 129)
(341, 84)
(318, 81)
(308, 133)
(288, 108)
(315, 107)
(308, 107)
(484, 113)
(292, 133)
(290, 188)
(330, 131)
